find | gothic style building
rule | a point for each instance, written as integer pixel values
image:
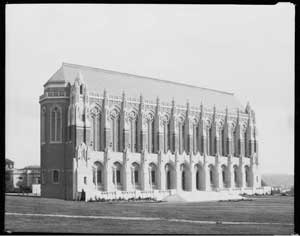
(115, 134)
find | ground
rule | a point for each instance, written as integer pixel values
(262, 215)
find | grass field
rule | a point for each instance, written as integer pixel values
(154, 217)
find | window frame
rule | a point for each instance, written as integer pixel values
(53, 139)
(58, 176)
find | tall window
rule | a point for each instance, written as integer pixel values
(223, 140)
(181, 136)
(165, 136)
(43, 125)
(55, 176)
(115, 129)
(152, 171)
(195, 138)
(208, 141)
(133, 135)
(96, 132)
(56, 124)
(169, 137)
(150, 135)
(135, 173)
(153, 135)
(235, 173)
(235, 143)
(245, 144)
(211, 175)
(202, 145)
(118, 176)
(153, 176)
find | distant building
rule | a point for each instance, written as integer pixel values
(108, 133)
(9, 170)
(17, 179)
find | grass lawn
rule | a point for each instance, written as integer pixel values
(262, 209)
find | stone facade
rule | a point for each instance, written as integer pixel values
(115, 145)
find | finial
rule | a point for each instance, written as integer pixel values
(123, 94)
(173, 102)
(157, 100)
(248, 108)
(105, 93)
(79, 77)
(238, 114)
(141, 98)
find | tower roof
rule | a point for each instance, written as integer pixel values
(133, 85)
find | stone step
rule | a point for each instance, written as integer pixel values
(201, 196)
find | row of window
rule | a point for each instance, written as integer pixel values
(135, 175)
(237, 147)
(55, 124)
(194, 144)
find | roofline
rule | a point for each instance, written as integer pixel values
(144, 77)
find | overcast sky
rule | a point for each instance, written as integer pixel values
(247, 50)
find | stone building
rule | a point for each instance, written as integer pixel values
(18, 179)
(9, 173)
(116, 134)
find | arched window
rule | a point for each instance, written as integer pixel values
(135, 175)
(211, 175)
(98, 174)
(117, 180)
(247, 176)
(169, 172)
(152, 172)
(183, 170)
(235, 175)
(224, 179)
(56, 124)
(96, 131)
(43, 125)
(197, 180)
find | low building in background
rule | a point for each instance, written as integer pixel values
(9, 168)
(21, 180)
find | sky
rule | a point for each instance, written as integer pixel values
(247, 50)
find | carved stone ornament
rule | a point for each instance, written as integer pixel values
(114, 114)
(95, 110)
(82, 151)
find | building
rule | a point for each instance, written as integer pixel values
(21, 179)
(9, 168)
(115, 134)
